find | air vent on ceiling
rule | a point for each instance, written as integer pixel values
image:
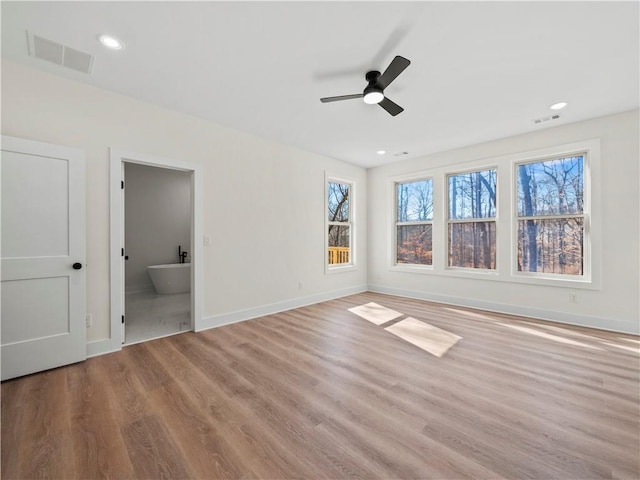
(400, 154)
(63, 55)
(546, 119)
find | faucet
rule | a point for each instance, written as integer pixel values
(182, 255)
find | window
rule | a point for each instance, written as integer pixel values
(444, 221)
(339, 224)
(472, 219)
(414, 222)
(550, 216)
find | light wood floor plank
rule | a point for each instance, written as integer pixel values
(153, 451)
(99, 449)
(319, 392)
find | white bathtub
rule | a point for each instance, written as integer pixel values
(171, 278)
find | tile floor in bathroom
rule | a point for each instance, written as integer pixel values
(150, 315)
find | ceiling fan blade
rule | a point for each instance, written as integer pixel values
(341, 97)
(395, 68)
(391, 107)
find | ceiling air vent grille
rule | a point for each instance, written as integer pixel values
(546, 119)
(54, 52)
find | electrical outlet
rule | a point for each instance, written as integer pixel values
(89, 320)
(573, 297)
(299, 285)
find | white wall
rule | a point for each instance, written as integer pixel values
(263, 202)
(613, 305)
(264, 206)
(157, 220)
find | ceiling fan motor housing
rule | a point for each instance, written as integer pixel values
(372, 77)
(372, 92)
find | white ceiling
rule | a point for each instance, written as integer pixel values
(479, 71)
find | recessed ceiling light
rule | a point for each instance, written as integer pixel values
(110, 42)
(381, 152)
(558, 106)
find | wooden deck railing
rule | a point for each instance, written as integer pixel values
(338, 255)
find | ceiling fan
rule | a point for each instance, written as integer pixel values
(374, 91)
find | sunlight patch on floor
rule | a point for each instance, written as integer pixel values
(375, 313)
(565, 331)
(623, 347)
(468, 313)
(548, 336)
(427, 337)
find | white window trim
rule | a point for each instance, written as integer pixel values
(448, 221)
(352, 265)
(589, 279)
(505, 219)
(410, 267)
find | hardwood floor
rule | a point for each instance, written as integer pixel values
(319, 392)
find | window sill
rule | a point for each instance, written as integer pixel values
(555, 281)
(411, 268)
(340, 268)
(496, 276)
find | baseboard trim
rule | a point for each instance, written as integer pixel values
(255, 312)
(99, 347)
(102, 347)
(600, 323)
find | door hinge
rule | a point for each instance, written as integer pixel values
(122, 318)
(122, 184)
(122, 252)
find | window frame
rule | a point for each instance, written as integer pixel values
(412, 223)
(448, 221)
(506, 223)
(351, 265)
(587, 261)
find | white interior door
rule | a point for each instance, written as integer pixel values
(43, 257)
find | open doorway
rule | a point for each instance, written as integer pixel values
(157, 248)
(154, 258)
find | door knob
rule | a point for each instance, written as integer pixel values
(77, 266)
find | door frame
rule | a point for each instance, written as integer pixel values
(117, 160)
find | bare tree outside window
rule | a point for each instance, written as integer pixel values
(550, 215)
(471, 222)
(339, 223)
(414, 216)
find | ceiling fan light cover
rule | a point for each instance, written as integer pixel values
(372, 96)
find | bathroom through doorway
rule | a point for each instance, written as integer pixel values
(156, 226)
(157, 248)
